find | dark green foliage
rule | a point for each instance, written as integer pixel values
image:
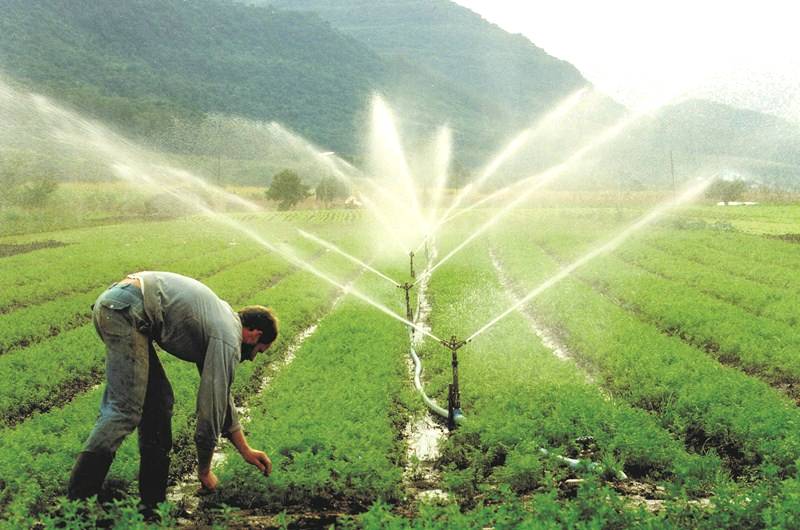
(88, 515)
(506, 75)
(287, 188)
(330, 189)
(46, 443)
(726, 190)
(656, 368)
(27, 179)
(139, 64)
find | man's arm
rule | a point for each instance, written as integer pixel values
(213, 406)
(250, 455)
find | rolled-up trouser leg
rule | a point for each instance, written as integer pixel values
(155, 436)
(118, 316)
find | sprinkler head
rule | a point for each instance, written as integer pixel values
(453, 343)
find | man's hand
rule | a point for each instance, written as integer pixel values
(208, 479)
(258, 459)
(251, 456)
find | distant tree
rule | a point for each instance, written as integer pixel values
(36, 194)
(287, 188)
(460, 176)
(330, 188)
(14, 169)
(726, 190)
(25, 180)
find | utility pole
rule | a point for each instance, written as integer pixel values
(672, 172)
(219, 150)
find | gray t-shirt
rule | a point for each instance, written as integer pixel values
(192, 323)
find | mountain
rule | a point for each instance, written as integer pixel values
(689, 138)
(508, 73)
(156, 67)
(140, 63)
(705, 136)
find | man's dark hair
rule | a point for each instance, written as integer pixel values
(263, 318)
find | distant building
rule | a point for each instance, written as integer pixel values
(352, 202)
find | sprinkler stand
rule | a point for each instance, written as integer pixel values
(454, 394)
(411, 259)
(407, 286)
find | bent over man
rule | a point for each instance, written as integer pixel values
(188, 320)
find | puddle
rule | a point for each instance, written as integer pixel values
(423, 434)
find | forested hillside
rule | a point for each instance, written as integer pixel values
(154, 67)
(507, 72)
(139, 63)
(703, 137)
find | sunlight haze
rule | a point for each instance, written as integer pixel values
(738, 53)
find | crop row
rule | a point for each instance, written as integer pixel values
(35, 323)
(297, 299)
(42, 468)
(763, 219)
(729, 328)
(34, 276)
(518, 397)
(27, 387)
(739, 321)
(706, 405)
(68, 307)
(758, 345)
(757, 298)
(331, 419)
(775, 271)
(746, 248)
(39, 276)
(75, 358)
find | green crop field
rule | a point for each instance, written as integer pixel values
(668, 367)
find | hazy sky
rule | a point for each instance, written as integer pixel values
(741, 52)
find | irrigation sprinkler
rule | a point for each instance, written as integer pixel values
(453, 394)
(407, 287)
(411, 260)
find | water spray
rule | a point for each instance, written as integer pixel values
(330, 246)
(605, 248)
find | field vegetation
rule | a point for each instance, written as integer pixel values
(676, 385)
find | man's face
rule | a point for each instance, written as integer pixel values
(249, 351)
(250, 344)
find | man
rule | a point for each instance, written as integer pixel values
(188, 320)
